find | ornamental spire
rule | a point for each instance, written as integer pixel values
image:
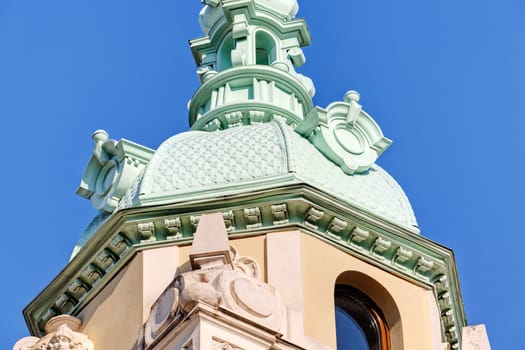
(246, 64)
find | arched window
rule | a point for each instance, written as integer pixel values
(224, 58)
(360, 324)
(264, 48)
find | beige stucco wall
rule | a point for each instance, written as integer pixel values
(323, 264)
(304, 269)
(113, 318)
(411, 310)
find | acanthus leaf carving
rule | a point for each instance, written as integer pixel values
(61, 335)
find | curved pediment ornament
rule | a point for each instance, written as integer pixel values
(61, 335)
(346, 134)
(229, 282)
(111, 170)
(237, 289)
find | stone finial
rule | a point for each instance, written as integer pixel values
(210, 246)
(352, 95)
(354, 108)
(100, 136)
(61, 334)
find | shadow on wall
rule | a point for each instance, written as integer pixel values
(380, 296)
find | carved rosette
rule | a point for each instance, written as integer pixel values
(61, 335)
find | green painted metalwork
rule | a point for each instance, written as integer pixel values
(248, 58)
(198, 164)
(246, 64)
(111, 170)
(371, 238)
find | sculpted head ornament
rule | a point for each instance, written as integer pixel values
(61, 335)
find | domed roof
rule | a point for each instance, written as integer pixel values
(248, 157)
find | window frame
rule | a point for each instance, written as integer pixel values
(366, 313)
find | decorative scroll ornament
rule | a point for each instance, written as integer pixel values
(346, 134)
(237, 289)
(61, 335)
(220, 279)
(111, 170)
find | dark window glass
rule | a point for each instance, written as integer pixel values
(264, 48)
(359, 322)
(262, 57)
(225, 54)
(350, 335)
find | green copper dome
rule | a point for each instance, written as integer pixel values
(254, 127)
(203, 164)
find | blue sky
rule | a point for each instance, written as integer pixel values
(444, 80)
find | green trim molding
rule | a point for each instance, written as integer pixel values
(379, 242)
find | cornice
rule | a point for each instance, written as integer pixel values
(392, 248)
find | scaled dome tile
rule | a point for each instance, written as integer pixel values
(194, 160)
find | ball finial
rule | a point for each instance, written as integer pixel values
(352, 96)
(100, 136)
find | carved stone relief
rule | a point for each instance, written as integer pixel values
(231, 283)
(237, 289)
